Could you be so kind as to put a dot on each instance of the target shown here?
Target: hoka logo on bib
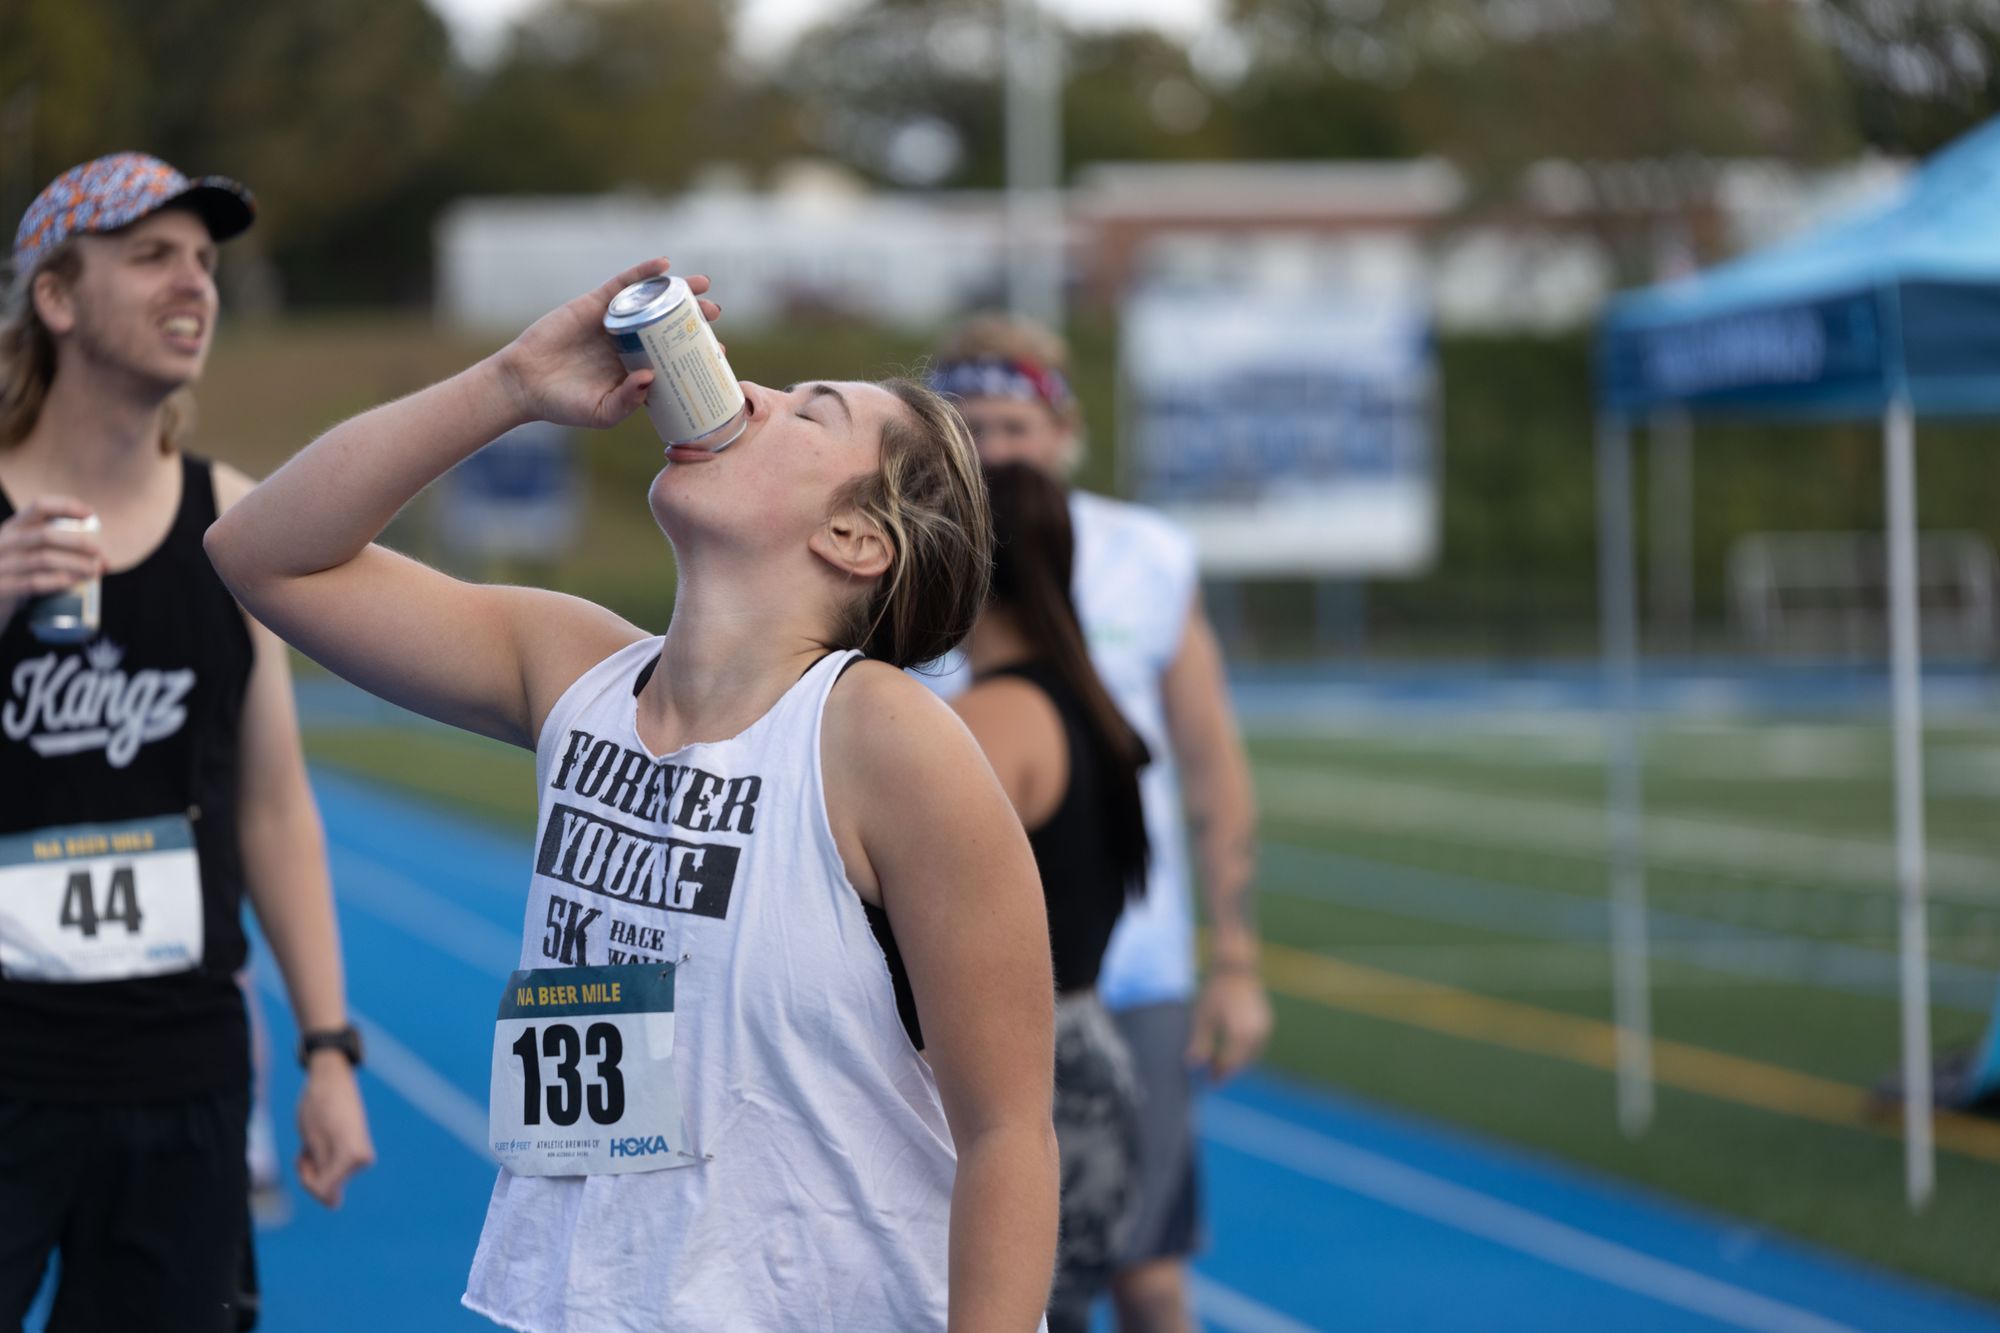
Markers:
(63, 704)
(636, 1147)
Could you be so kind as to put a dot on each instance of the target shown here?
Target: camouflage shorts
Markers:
(1097, 1133)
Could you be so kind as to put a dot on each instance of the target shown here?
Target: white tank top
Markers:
(826, 1198)
(1136, 582)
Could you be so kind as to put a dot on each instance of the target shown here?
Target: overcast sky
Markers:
(766, 25)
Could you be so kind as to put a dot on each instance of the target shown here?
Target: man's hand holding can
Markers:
(50, 556)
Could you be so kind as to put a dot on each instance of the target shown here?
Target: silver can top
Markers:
(645, 302)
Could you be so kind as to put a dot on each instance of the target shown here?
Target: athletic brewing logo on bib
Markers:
(66, 704)
(588, 846)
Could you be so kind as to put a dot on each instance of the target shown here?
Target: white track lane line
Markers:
(1231, 1310)
(396, 899)
(1680, 840)
(1436, 1199)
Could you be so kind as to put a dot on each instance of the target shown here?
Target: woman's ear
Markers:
(853, 544)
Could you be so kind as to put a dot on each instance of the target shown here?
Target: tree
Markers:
(603, 94)
(1498, 86)
(69, 81)
(1135, 95)
(906, 91)
(912, 92)
(1919, 71)
(331, 110)
(335, 111)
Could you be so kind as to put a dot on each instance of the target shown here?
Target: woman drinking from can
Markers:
(764, 860)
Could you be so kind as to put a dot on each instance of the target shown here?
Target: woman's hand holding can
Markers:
(660, 328)
(563, 368)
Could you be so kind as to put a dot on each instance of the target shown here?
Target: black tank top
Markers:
(145, 721)
(1081, 880)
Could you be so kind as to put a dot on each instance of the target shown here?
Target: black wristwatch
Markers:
(346, 1040)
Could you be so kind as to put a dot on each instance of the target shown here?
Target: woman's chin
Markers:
(675, 510)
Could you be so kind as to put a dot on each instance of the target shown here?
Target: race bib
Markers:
(583, 1073)
(100, 902)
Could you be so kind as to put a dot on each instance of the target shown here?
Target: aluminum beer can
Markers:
(72, 615)
(695, 399)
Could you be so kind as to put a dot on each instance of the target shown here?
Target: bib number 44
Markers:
(121, 903)
(566, 1098)
(101, 902)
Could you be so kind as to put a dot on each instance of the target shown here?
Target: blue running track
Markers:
(1327, 1213)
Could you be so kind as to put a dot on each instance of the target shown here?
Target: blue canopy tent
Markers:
(1901, 302)
(1891, 313)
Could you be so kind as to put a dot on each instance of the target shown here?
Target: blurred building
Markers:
(818, 239)
(1360, 227)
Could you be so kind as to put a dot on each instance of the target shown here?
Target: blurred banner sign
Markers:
(518, 498)
(1291, 434)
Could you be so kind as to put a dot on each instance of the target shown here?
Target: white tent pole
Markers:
(1899, 467)
(1618, 611)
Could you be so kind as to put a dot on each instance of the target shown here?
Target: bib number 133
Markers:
(561, 1092)
(583, 1073)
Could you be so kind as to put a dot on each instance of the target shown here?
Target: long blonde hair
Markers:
(929, 499)
(28, 355)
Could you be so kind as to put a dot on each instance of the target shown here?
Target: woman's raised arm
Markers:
(298, 551)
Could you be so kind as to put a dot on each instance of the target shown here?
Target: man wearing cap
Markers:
(153, 775)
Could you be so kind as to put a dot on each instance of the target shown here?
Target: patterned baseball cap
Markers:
(116, 191)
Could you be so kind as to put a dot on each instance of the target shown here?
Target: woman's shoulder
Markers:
(1014, 698)
(1020, 726)
(872, 693)
(899, 767)
(882, 726)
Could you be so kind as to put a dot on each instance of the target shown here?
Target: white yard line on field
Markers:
(1346, 799)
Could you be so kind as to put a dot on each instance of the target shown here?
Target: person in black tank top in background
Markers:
(152, 773)
(1070, 764)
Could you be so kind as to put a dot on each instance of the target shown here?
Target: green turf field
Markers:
(1432, 895)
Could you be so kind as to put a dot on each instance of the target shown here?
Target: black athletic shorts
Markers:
(144, 1204)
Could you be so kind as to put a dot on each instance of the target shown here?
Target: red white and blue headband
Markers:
(992, 377)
